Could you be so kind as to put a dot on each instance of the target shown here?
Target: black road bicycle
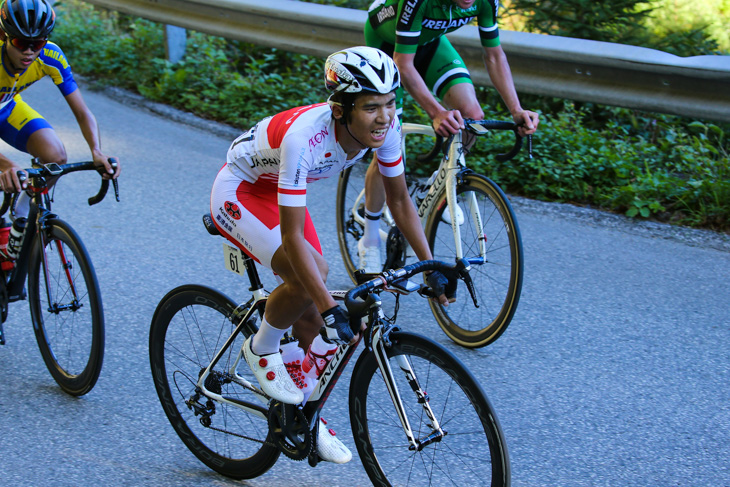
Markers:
(63, 292)
(465, 215)
(418, 416)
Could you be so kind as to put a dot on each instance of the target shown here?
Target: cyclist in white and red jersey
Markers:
(259, 202)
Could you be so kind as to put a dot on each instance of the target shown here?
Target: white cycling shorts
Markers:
(247, 214)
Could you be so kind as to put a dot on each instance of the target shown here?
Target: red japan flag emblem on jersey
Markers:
(233, 210)
(329, 154)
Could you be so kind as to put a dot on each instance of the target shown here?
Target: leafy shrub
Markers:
(229, 81)
(681, 27)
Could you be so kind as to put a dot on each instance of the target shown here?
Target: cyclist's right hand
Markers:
(442, 286)
(108, 167)
(337, 326)
(448, 122)
(9, 180)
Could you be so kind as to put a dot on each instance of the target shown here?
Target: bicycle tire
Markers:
(467, 455)
(70, 333)
(189, 326)
(498, 282)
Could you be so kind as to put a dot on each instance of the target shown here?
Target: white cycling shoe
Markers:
(370, 261)
(271, 373)
(329, 447)
(446, 215)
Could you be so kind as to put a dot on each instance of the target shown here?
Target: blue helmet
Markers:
(27, 19)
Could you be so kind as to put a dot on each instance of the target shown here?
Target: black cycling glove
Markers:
(336, 326)
(440, 284)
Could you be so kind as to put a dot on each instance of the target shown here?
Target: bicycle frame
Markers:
(449, 170)
(378, 333)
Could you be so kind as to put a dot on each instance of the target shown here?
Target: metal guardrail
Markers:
(599, 72)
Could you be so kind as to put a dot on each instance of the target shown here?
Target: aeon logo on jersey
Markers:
(233, 210)
(318, 138)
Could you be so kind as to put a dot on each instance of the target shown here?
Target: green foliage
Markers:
(616, 21)
(643, 165)
(228, 81)
(681, 27)
(646, 165)
(707, 20)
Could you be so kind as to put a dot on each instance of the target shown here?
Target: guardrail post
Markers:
(175, 39)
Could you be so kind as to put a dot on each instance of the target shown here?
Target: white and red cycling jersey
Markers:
(270, 166)
(298, 146)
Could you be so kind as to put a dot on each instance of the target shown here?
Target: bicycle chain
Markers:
(281, 446)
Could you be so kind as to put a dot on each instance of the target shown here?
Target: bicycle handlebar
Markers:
(358, 309)
(480, 127)
(58, 170)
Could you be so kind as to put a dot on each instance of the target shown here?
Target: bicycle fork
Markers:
(53, 306)
(381, 356)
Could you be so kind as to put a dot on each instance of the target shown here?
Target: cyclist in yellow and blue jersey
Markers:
(27, 56)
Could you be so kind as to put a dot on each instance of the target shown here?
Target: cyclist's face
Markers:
(464, 3)
(17, 60)
(372, 117)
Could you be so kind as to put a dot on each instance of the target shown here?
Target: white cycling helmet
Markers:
(359, 69)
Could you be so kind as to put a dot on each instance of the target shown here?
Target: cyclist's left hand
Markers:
(527, 120)
(102, 164)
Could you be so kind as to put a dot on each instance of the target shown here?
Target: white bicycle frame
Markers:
(445, 179)
(328, 374)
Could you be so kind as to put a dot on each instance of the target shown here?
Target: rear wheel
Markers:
(66, 309)
(189, 327)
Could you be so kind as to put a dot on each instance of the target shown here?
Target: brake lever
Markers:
(463, 266)
(115, 183)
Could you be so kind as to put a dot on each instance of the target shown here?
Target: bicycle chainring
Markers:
(289, 430)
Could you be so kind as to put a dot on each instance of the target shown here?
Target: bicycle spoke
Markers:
(464, 455)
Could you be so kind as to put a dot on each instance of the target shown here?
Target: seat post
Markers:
(253, 274)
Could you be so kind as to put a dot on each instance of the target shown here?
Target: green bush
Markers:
(681, 27)
(228, 81)
(641, 164)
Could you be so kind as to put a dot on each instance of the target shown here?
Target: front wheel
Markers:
(472, 451)
(189, 327)
(65, 307)
(489, 230)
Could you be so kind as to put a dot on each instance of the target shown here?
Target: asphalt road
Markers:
(614, 371)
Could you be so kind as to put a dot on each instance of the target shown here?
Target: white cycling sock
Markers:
(371, 236)
(266, 340)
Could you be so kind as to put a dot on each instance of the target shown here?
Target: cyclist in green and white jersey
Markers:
(413, 33)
